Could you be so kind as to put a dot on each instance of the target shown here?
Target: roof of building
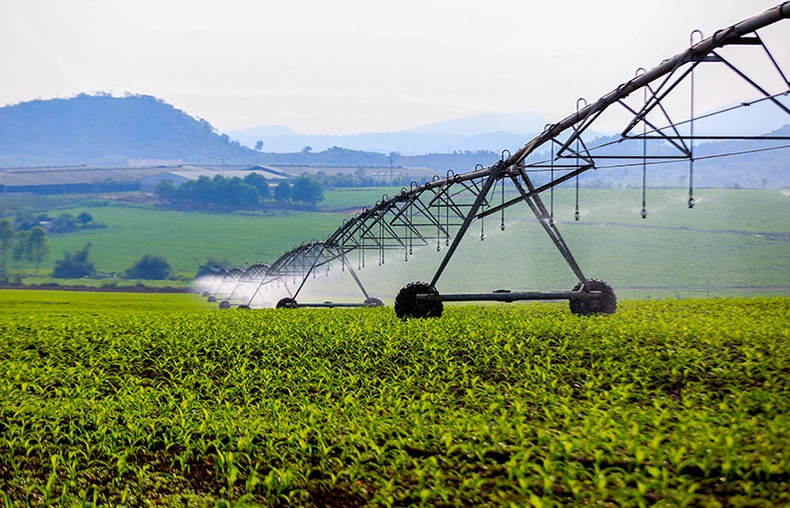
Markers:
(369, 170)
(71, 176)
(40, 176)
(194, 173)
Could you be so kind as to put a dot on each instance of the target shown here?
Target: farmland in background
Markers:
(136, 399)
(733, 241)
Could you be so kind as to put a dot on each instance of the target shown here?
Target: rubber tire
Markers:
(406, 304)
(206, 293)
(212, 299)
(584, 305)
(243, 307)
(224, 304)
(373, 302)
(287, 303)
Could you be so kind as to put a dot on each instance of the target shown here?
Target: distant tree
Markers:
(258, 145)
(19, 254)
(307, 149)
(37, 246)
(204, 189)
(75, 266)
(185, 192)
(25, 221)
(237, 192)
(210, 266)
(149, 267)
(165, 190)
(307, 190)
(64, 223)
(282, 192)
(233, 192)
(260, 183)
(6, 241)
(84, 218)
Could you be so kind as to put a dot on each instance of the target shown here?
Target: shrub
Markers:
(75, 266)
(149, 267)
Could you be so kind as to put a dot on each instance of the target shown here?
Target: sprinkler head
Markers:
(482, 237)
(643, 213)
(502, 226)
(691, 202)
(577, 215)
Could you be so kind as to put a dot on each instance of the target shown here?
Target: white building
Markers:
(183, 174)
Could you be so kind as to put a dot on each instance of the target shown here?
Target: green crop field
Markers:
(158, 400)
(734, 242)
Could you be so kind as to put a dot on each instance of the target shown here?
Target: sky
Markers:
(350, 66)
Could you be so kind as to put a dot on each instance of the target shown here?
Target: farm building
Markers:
(61, 180)
(182, 174)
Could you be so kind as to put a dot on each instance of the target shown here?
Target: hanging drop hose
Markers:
(447, 223)
(483, 206)
(411, 233)
(691, 125)
(502, 219)
(643, 213)
(438, 227)
(551, 215)
(576, 214)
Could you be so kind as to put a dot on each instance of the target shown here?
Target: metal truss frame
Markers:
(441, 212)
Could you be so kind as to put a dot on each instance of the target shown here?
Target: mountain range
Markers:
(143, 130)
(489, 131)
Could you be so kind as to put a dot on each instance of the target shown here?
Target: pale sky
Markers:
(350, 66)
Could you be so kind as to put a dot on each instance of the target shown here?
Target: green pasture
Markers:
(185, 239)
(137, 400)
(733, 242)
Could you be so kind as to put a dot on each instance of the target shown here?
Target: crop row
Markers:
(684, 402)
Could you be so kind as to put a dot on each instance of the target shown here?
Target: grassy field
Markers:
(139, 399)
(733, 242)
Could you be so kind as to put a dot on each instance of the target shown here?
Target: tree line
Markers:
(251, 190)
(31, 246)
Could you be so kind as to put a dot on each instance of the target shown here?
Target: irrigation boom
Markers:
(441, 212)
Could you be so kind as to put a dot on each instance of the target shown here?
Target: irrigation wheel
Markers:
(373, 302)
(584, 303)
(224, 304)
(211, 299)
(243, 306)
(287, 303)
(407, 305)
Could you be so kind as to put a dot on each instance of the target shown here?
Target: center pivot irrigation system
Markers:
(656, 111)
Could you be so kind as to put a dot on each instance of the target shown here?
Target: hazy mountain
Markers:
(103, 130)
(754, 119)
(109, 130)
(486, 131)
(490, 132)
(522, 122)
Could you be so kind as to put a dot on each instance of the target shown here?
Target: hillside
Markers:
(110, 130)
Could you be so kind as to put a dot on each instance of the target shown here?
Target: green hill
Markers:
(100, 129)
